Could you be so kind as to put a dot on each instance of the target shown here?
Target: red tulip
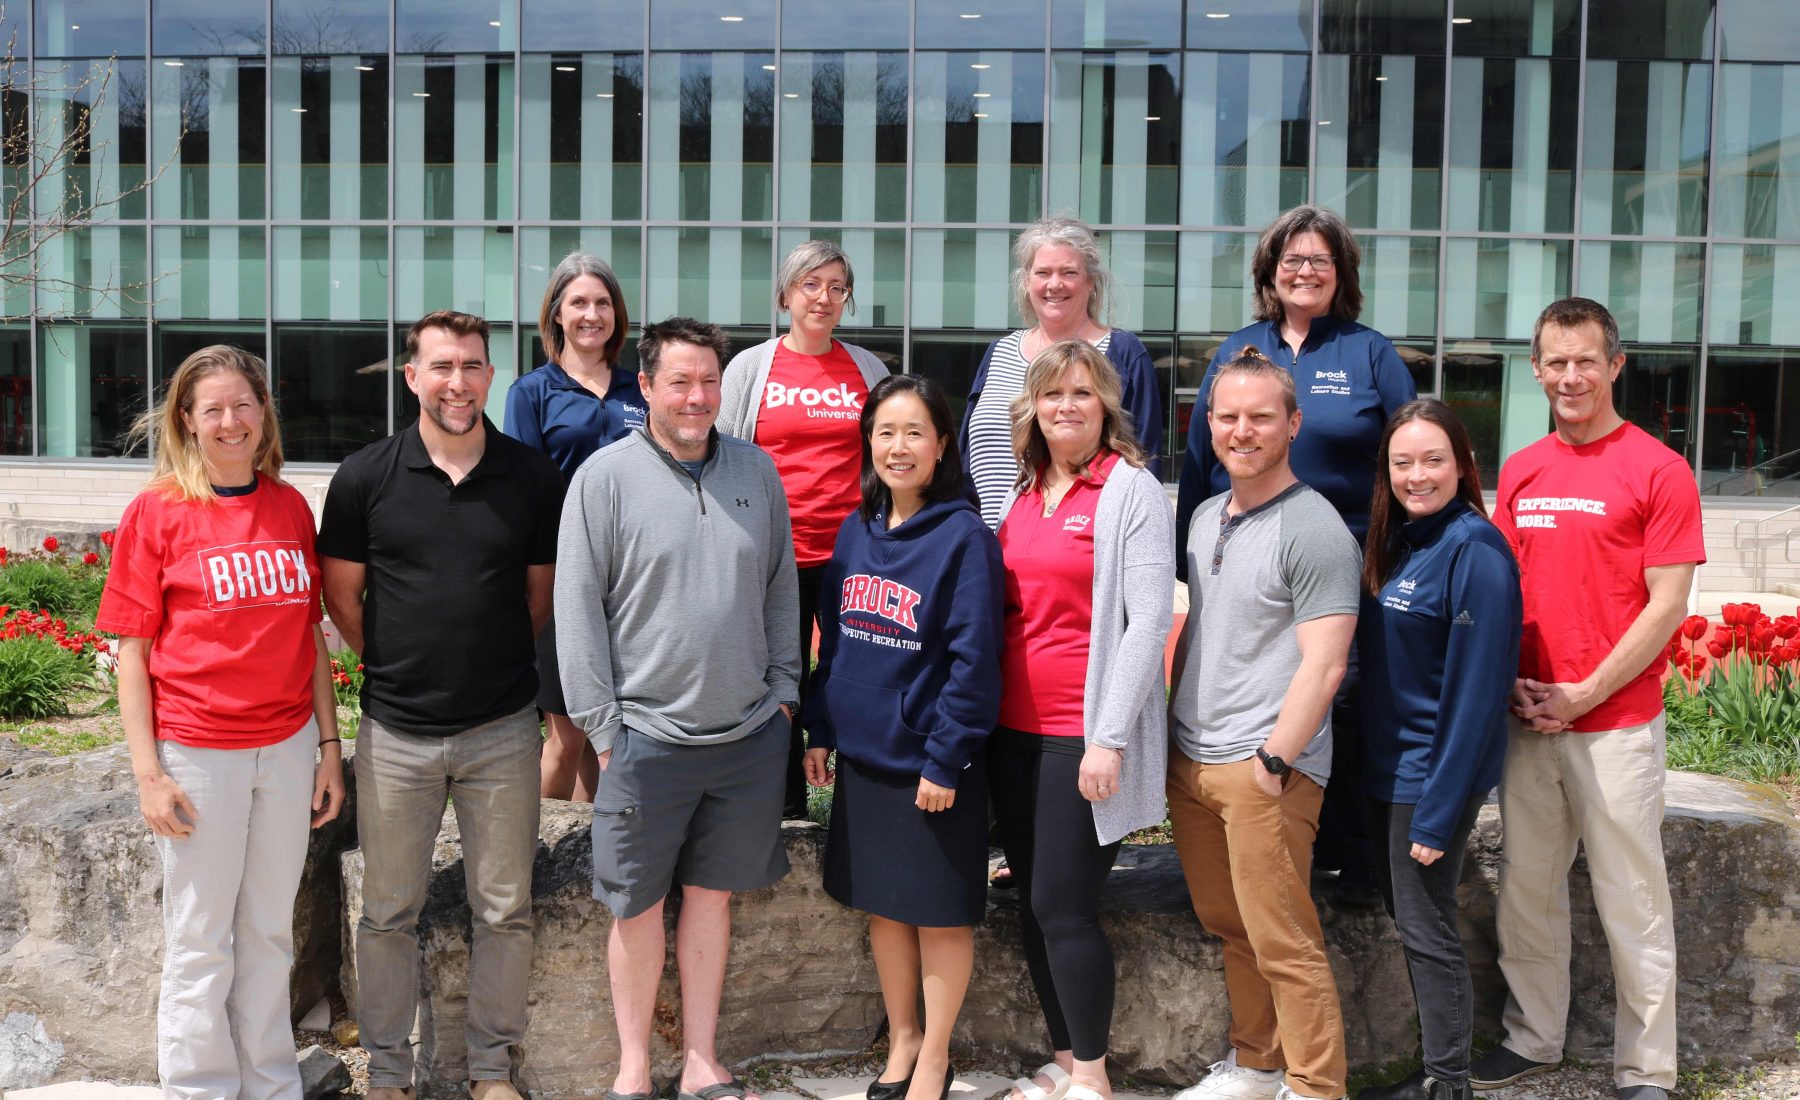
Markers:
(106, 539)
(1694, 627)
(1717, 649)
(90, 558)
(50, 543)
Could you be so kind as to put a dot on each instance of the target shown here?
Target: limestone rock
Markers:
(322, 1073)
(81, 915)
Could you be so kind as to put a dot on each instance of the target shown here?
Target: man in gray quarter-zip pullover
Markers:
(677, 627)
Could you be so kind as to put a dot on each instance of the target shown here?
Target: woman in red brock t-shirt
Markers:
(225, 691)
(800, 397)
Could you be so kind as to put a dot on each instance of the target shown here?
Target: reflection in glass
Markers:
(328, 126)
(1399, 282)
(950, 358)
(205, 28)
(462, 269)
(1757, 190)
(1144, 270)
(879, 259)
(455, 26)
(542, 248)
(962, 278)
(1655, 391)
(88, 28)
(330, 383)
(16, 427)
(835, 25)
(1652, 288)
(91, 387)
(1759, 32)
(1491, 387)
(1650, 28)
(175, 341)
(330, 274)
(98, 109)
(592, 25)
(725, 276)
(582, 136)
(1381, 139)
(1512, 144)
(1644, 155)
(453, 127)
(210, 272)
(978, 159)
(1754, 290)
(1752, 443)
(1250, 25)
(1114, 24)
(94, 271)
(1497, 288)
(843, 136)
(207, 115)
(1115, 137)
(1213, 288)
(1382, 26)
(979, 24)
(1517, 28)
(712, 25)
(1244, 129)
(331, 26)
(712, 136)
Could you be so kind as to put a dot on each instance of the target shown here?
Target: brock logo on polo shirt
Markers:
(254, 574)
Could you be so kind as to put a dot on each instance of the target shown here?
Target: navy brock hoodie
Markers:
(908, 678)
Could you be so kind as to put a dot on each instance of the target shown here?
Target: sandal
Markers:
(730, 1087)
(1060, 1082)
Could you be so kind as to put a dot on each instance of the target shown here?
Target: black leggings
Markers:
(1047, 830)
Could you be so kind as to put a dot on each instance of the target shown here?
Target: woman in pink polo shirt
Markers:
(1078, 758)
(800, 397)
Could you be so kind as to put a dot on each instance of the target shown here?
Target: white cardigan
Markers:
(748, 373)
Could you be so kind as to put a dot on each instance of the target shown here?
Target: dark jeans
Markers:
(1422, 901)
(794, 805)
(1344, 843)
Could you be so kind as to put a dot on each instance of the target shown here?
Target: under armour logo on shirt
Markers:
(743, 503)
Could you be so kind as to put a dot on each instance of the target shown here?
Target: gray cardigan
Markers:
(740, 398)
(1124, 705)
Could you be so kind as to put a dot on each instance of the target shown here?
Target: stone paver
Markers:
(86, 1090)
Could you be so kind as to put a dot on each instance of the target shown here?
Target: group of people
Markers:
(643, 559)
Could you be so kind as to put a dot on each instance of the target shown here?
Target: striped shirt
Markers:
(992, 468)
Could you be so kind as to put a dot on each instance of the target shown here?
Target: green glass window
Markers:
(319, 27)
(712, 136)
(1652, 288)
(1399, 277)
(17, 430)
(1381, 138)
(1115, 136)
(726, 276)
(1250, 25)
(463, 269)
(1490, 385)
(331, 382)
(1516, 28)
(1754, 290)
(979, 24)
(1512, 144)
(1144, 269)
(91, 386)
(712, 24)
(330, 274)
(835, 25)
(210, 272)
(455, 26)
(978, 136)
(1644, 148)
(453, 137)
(207, 118)
(1213, 288)
(1245, 122)
(843, 136)
(1669, 29)
(206, 28)
(1495, 289)
(328, 133)
(1757, 190)
(89, 28)
(98, 109)
(582, 136)
(1752, 445)
(589, 25)
(1114, 24)
(94, 271)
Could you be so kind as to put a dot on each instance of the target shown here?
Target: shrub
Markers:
(1734, 708)
(38, 676)
(42, 584)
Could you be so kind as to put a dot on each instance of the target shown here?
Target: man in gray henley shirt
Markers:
(1273, 579)
(676, 623)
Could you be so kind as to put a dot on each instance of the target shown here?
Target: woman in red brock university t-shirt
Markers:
(800, 398)
(225, 691)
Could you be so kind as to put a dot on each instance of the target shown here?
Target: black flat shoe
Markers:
(888, 1090)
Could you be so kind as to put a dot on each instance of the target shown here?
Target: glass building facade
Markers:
(306, 177)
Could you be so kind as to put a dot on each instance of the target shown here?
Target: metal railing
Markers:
(1758, 565)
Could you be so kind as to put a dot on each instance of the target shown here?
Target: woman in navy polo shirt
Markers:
(580, 400)
(1349, 380)
(1440, 648)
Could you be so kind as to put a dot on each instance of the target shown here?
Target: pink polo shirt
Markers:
(1049, 606)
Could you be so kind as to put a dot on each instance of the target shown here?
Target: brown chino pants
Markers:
(1248, 861)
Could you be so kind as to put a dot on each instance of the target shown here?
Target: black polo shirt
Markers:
(447, 641)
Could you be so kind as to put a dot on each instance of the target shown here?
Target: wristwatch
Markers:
(1276, 765)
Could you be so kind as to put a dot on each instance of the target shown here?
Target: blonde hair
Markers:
(1072, 233)
(1049, 368)
(179, 470)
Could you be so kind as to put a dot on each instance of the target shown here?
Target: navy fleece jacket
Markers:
(1439, 653)
(908, 678)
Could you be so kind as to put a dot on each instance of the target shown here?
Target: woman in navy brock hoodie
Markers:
(906, 691)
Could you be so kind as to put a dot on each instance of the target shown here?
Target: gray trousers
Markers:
(490, 774)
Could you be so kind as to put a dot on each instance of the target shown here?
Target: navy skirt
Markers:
(887, 857)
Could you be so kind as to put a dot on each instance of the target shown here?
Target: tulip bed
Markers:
(1733, 694)
(50, 656)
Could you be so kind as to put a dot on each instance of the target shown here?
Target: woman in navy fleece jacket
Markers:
(1439, 656)
(906, 690)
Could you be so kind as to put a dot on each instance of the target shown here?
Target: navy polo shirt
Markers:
(551, 412)
(447, 638)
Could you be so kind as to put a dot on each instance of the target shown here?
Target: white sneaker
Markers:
(1229, 1081)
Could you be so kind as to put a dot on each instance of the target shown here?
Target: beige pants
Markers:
(1605, 791)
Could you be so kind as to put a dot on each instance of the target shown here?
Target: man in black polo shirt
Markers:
(438, 548)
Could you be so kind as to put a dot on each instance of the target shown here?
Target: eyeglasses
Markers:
(837, 292)
(1320, 262)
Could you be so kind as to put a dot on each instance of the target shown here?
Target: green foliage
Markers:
(1732, 724)
(346, 685)
(38, 677)
(69, 742)
(56, 584)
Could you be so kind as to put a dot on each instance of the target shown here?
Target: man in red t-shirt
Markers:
(1605, 522)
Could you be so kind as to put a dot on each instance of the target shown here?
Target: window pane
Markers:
(725, 276)
(1754, 290)
(950, 358)
(328, 129)
(583, 135)
(1517, 28)
(712, 24)
(1250, 24)
(1381, 139)
(209, 128)
(1495, 396)
(978, 159)
(206, 28)
(712, 136)
(1500, 287)
(335, 274)
(1752, 422)
(16, 427)
(98, 108)
(90, 387)
(836, 25)
(453, 126)
(962, 278)
(1118, 24)
(1512, 144)
(462, 269)
(331, 26)
(541, 249)
(1653, 289)
(1760, 32)
(174, 342)
(1244, 125)
(454, 26)
(979, 24)
(583, 24)
(94, 271)
(1143, 267)
(878, 258)
(1115, 138)
(210, 272)
(1757, 192)
(1650, 28)
(1655, 391)
(1382, 26)
(89, 28)
(1644, 161)
(1213, 291)
(843, 136)
(330, 384)
(1399, 283)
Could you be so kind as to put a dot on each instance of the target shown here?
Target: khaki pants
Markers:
(1248, 861)
(1604, 790)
